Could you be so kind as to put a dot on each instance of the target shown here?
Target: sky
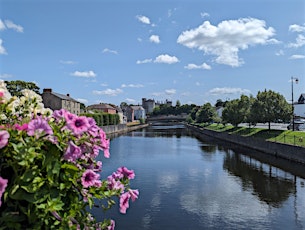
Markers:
(194, 51)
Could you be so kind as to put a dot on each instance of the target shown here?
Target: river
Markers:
(187, 183)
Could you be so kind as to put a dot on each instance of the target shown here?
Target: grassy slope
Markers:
(283, 136)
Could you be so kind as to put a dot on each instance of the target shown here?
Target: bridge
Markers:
(164, 118)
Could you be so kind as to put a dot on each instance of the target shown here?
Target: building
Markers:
(148, 105)
(57, 101)
(102, 107)
(299, 107)
(135, 112)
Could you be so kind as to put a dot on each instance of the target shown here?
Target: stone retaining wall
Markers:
(289, 152)
(121, 128)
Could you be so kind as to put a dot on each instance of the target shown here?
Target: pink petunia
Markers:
(3, 184)
(78, 125)
(4, 136)
(134, 193)
(73, 152)
(125, 172)
(90, 178)
(124, 202)
(21, 127)
(112, 225)
(38, 127)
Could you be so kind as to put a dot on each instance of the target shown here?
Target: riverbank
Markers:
(121, 128)
(285, 151)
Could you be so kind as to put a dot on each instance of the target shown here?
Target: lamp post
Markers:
(292, 106)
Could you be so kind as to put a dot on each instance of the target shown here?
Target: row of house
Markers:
(56, 101)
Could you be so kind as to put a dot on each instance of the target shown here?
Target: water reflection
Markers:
(190, 183)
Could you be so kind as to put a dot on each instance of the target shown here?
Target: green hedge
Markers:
(104, 119)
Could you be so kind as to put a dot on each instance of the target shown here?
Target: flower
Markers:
(90, 178)
(73, 152)
(134, 193)
(3, 184)
(38, 127)
(124, 172)
(4, 136)
(124, 202)
(78, 125)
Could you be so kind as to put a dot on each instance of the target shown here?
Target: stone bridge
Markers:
(169, 118)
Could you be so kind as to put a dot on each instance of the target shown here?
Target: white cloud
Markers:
(227, 90)
(108, 92)
(104, 84)
(10, 25)
(132, 86)
(144, 61)
(5, 75)
(227, 38)
(81, 100)
(194, 66)
(170, 91)
(165, 58)
(154, 38)
(143, 19)
(129, 100)
(279, 53)
(86, 74)
(204, 15)
(106, 50)
(2, 49)
(2, 25)
(296, 28)
(297, 56)
(300, 41)
(68, 62)
(157, 94)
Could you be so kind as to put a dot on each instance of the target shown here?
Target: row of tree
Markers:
(266, 107)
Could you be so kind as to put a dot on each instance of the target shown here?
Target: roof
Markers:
(137, 107)
(100, 106)
(64, 97)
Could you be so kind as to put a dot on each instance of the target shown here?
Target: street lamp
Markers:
(292, 107)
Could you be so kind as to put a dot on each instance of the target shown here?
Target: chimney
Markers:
(68, 95)
(48, 90)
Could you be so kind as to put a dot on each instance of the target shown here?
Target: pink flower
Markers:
(124, 202)
(3, 184)
(39, 127)
(126, 172)
(21, 127)
(90, 178)
(134, 193)
(58, 114)
(4, 136)
(78, 125)
(112, 225)
(72, 153)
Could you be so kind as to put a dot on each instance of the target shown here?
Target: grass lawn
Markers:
(283, 136)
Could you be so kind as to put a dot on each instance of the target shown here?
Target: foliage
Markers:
(15, 87)
(49, 167)
(237, 111)
(269, 106)
(206, 113)
(104, 119)
(165, 109)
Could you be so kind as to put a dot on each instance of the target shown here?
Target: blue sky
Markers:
(191, 51)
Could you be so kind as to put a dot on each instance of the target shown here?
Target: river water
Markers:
(187, 183)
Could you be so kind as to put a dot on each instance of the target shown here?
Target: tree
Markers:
(178, 104)
(15, 87)
(270, 106)
(237, 111)
(206, 113)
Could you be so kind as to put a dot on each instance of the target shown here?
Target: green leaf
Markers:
(21, 194)
(69, 166)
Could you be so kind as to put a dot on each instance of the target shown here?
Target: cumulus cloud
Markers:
(297, 56)
(81, 100)
(227, 90)
(204, 15)
(108, 92)
(2, 49)
(85, 74)
(68, 62)
(194, 66)
(144, 61)
(2, 26)
(227, 38)
(5, 75)
(297, 28)
(132, 86)
(167, 59)
(154, 39)
(10, 25)
(129, 100)
(106, 50)
(279, 53)
(143, 19)
(170, 91)
(300, 41)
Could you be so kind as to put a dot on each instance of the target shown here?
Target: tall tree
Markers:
(270, 106)
(206, 113)
(15, 87)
